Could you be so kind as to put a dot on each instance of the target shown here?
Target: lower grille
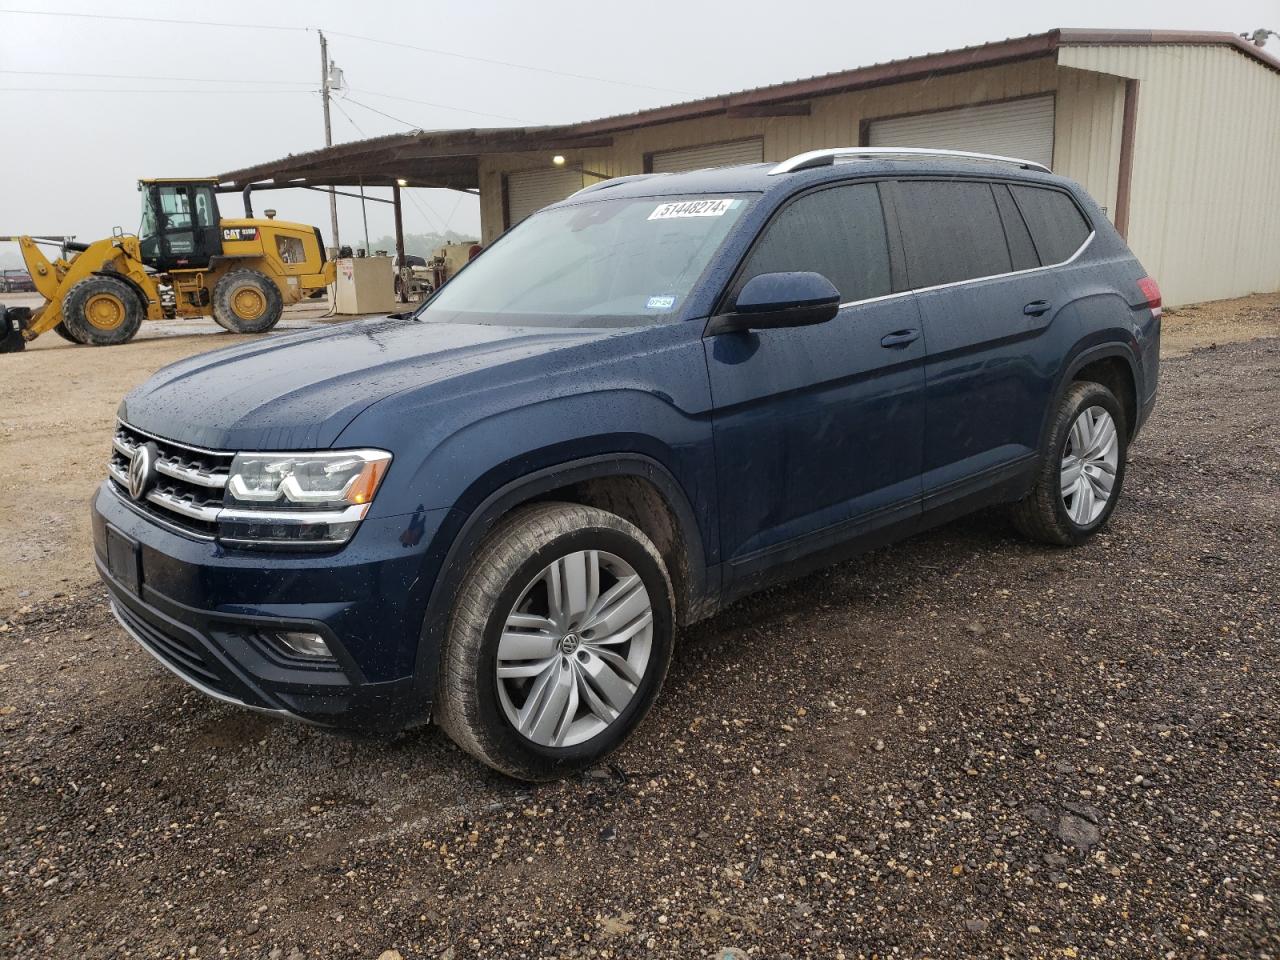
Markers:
(181, 655)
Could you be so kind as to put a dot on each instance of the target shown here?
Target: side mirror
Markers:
(772, 300)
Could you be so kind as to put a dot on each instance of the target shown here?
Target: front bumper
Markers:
(206, 613)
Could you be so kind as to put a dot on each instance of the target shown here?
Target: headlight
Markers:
(300, 498)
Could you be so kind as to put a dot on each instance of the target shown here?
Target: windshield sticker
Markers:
(660, 303)
(693, 208)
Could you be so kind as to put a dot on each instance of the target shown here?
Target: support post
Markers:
(328, 133)
(364, 212)
(395, 198)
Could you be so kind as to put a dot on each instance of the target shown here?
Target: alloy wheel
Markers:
(574, 648)
(1089, 464)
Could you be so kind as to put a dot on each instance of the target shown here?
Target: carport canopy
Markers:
(441, 159)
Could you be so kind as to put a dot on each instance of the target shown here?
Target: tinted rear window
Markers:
(951, 231)
(838, 232)
(1057, 226)
(1021, 249)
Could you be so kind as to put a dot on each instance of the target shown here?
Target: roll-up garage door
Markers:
(1019, 128)
(715, 155)
(528, 191)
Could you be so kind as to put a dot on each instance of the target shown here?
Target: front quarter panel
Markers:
(641, 391)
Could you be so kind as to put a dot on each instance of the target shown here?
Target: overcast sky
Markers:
(70, 160)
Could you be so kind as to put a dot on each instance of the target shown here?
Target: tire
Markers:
(479, 710)
(61, 330)
(1062, 508)
(102, 312)
(247, 301)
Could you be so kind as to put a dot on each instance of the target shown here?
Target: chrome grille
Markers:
(187, 493)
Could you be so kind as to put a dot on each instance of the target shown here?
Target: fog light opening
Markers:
(303, 644)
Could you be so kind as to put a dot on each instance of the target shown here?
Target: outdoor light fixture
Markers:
(558, 160)
(403, 182)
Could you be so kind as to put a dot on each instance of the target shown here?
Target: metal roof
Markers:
(450, 158)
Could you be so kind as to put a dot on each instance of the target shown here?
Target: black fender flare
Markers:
(1081, 359)
(476, 525)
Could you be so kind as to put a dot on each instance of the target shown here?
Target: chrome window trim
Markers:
(802, 161)
(995, 276)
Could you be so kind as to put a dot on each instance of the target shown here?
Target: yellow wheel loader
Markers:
(186, 262)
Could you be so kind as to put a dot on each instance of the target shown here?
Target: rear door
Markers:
(986, 308)
(819, 430)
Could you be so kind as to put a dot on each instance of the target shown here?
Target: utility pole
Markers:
(328, 132)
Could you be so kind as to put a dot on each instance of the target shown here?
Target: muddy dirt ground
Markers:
(961, 746)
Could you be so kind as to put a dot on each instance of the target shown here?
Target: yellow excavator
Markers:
(186, 262)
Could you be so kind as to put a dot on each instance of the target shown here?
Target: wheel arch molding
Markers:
(1088, 355)
(597, 480)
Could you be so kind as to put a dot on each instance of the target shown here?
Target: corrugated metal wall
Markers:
(835, 122)
(1205, 200)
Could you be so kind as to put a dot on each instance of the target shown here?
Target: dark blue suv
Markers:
(641, 403)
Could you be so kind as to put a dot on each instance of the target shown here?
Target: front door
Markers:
(819, 430)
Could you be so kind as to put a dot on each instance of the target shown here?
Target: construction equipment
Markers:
(186, 261)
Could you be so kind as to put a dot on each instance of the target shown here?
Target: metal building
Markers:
(1176, 134)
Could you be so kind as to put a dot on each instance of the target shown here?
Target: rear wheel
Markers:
(246, 301)
(1080, 479)
(559, 641)
(102, 312)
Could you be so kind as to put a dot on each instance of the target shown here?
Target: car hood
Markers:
(299, 392)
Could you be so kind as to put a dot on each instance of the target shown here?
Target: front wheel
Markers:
(247, 301)
(102, 312)
(1080, 479)
(559, 641)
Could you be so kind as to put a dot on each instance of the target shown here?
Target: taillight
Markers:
(1151, 290)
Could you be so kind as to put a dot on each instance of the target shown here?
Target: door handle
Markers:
(1037, 307)
(899, 338)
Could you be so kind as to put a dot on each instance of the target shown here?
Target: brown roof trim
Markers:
(1114, 38)
(879, 74)
(426, 146)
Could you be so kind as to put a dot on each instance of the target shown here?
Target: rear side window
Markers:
(1021, 249)
(951, 231)
(1057, 226)
(838, 232)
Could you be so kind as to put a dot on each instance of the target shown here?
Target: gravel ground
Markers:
(961, 746)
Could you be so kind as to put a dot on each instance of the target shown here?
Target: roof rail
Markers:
(825, 158)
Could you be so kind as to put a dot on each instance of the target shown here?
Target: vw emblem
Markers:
(142, 470)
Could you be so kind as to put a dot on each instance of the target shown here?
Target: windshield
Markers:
(608, 263)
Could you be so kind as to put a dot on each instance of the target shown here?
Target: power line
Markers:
(506, 63)
(185, 23)
(138, 76)
(438, 106)
(351, 36)
(338, 103)
(413, 126)
(133, 90)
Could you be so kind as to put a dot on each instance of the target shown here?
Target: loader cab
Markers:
(180, 224)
